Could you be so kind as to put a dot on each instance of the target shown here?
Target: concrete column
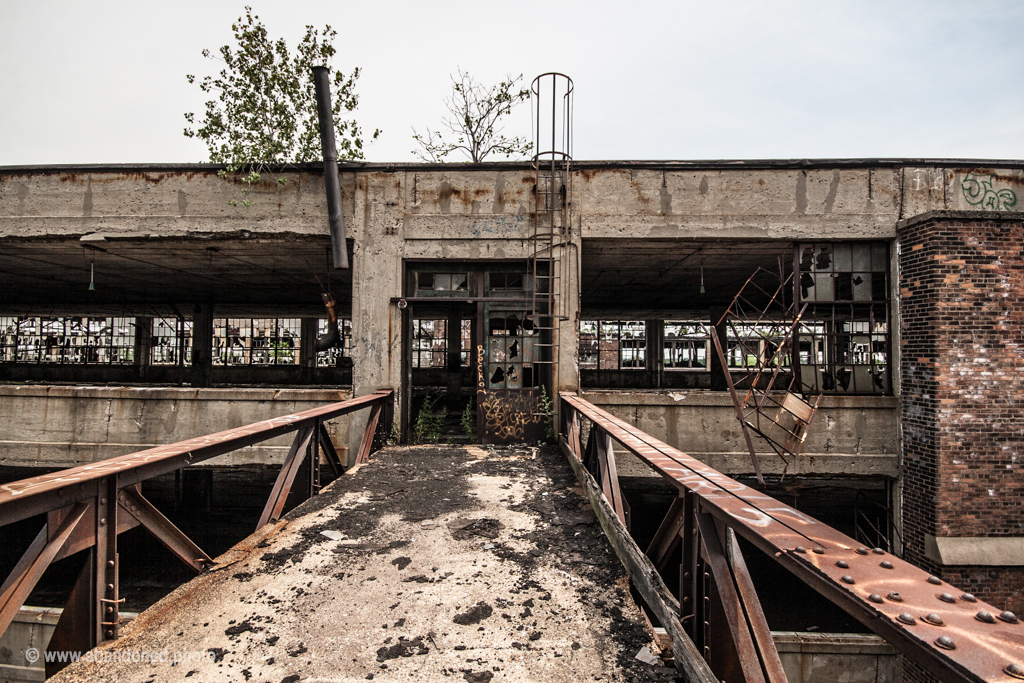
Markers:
(718, 382)
(377, 228)
(307, 349)
(143, 346)
(202, 345)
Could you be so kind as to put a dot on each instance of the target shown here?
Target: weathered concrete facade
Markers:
(639, 236)
(62, 426)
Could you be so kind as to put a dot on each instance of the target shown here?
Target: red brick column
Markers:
(962, 376)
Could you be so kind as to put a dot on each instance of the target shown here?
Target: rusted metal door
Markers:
(508, 394)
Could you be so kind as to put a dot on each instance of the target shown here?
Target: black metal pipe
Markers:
(322, 81)
(333, 336)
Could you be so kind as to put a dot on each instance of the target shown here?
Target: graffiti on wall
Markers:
(978, 192)
(511, 416)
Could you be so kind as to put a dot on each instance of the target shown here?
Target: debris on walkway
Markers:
(437, 563)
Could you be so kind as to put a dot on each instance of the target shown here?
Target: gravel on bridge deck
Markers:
(429, 563)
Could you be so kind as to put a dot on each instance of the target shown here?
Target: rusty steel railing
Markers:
(86, 507)
(717, 619)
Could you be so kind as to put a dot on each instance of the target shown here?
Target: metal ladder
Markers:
(546, 240)
(551, 95)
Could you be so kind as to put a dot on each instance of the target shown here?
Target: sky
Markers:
(104, 81)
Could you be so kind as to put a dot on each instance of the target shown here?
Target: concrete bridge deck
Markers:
(428, 563)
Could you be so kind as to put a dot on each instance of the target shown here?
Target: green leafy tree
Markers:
(263, 112)
(474, 122)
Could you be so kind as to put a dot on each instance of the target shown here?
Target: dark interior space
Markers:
(215, 507)
(788, 603)
(638, 277)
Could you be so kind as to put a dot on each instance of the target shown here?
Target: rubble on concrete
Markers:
(451, 563)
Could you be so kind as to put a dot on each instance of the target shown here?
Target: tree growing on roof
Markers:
(474, 121)
(263, 112)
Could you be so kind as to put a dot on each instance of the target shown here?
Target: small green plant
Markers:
(395, 435)
(427, 428)
(547, 409)
(468, 420)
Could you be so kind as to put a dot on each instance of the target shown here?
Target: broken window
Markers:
(79, 340)
(612, 345)
(441, 282)
(172, 342)
(429, 343)
(750, 345)
(686, 346)
(509, 350)
(256, 341)
(333, 356)
(843, 340)
(506, 282)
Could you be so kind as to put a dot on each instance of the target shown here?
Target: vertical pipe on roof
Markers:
(322, 81)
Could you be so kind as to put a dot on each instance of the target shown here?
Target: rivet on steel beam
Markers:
(110, 633)
(846, 578)
(934, 580)
(800, 549)
(861, 551)
(885, 564)
(110, 610)
(110, 586)
(103, 521)
(875, 597)
(933, 619)
(110, 563)
(819, 550)
(843, 564)
(985, 617)
(103, 501)
(1009, 617)
(1015, 670)
(687, 575)
(686, 598)
(967, 597)
(946, 597)
(906, 619)
(878, 551)
(945, 642)
(895, 597)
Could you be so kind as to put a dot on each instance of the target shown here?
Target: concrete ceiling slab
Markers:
(142, 275)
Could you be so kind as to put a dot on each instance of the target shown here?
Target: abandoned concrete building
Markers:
(140, 305)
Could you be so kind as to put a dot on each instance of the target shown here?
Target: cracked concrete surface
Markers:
(429, 563)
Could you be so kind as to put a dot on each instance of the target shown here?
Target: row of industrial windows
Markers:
(112, 341)
(846, 353)
(841, 343)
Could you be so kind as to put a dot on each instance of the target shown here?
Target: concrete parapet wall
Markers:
(64, 426)
(847, 657)
(851, 435)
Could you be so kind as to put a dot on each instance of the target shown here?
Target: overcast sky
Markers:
(102, 81)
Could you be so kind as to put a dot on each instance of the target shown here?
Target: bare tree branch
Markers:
(474, 119)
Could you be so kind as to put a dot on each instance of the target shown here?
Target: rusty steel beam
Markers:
(132, 502)
(667, 538)
(33, 564)
(947, 632)
(746, 666)
(37, 495)
(371, 429)
(330, 452)
(769, 654)
(283, 483)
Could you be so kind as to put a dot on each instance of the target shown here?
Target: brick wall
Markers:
(962, 363)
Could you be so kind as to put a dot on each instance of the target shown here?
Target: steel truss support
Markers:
(87, 507)
(717, 617)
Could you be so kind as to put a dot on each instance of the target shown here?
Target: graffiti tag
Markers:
(978, 192)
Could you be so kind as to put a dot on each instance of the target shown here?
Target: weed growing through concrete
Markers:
(468, 421)
(427, 428)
